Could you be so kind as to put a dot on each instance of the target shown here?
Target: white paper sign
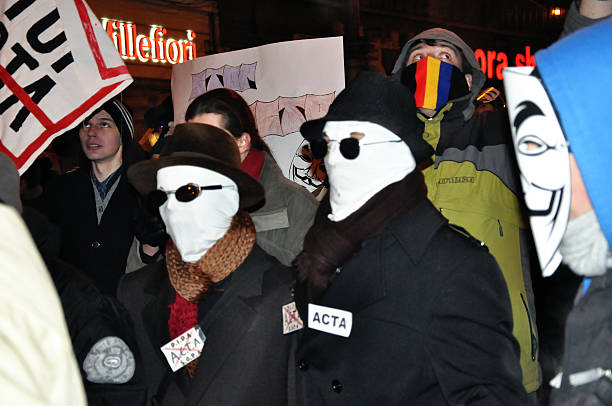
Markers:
(184, 348)
(285, 84)
(57, 65)
(291, 319)
(330, 320)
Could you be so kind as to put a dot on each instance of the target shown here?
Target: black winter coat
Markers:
(98, 250)
(246, 359)
(432, 324)
(90, 316)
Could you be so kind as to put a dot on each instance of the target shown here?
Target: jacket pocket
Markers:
(534, 340)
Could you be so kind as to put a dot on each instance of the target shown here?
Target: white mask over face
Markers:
(197, 225)
(383, 159)
(543, 159)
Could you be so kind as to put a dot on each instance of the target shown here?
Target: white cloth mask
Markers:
(197, 225)
(543, 159)
(383, 159)
(584, 247)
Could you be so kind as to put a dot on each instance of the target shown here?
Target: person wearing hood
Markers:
(399, 307)
(98, 212)
(209, 317)
(472, 178)
(561, 130)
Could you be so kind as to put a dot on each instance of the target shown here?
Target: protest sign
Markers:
(285, 84)
(57, 65)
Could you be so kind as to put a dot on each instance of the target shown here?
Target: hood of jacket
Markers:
(478, 77)
(576, 74)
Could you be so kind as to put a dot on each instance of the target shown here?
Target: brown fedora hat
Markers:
(199, 145)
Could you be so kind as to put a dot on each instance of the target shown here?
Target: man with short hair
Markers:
(471, 179)
(98, 212)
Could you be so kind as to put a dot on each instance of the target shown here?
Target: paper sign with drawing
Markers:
(285, 84)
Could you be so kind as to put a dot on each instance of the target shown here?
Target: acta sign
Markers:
(493, 63)
(152, 48)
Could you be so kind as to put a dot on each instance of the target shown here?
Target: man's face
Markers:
(376, 158)
(543, 159)
(442, 51)
(195, 225)
(100, 138)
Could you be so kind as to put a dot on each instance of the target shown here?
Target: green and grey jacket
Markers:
(472, 181)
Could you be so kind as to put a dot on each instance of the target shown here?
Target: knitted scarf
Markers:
(328, 245)
(194, 282)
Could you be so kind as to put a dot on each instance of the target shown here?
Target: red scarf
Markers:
(253, 163)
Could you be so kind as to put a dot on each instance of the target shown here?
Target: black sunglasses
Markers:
(185, 193)
(349, 147)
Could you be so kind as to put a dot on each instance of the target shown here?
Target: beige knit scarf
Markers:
(196, 281)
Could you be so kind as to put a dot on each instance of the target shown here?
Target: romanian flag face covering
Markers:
(434, 82)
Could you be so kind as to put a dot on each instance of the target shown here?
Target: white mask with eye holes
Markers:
(383, 159)
(543, 158)
(197, 225)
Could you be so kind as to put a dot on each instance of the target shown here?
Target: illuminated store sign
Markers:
(152, 48)
(493, 63)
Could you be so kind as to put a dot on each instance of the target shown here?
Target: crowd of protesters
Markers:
(197, 274)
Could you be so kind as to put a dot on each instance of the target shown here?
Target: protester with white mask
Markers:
(400, 307)
(561, 129)
(215, 304)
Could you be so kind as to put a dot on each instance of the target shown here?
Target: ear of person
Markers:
(244, 143)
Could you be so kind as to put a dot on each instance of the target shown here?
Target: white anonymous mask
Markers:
(543, 158)
(197, 225)
(383, 159)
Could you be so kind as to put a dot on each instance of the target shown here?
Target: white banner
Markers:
(57, 65)
(285, 84)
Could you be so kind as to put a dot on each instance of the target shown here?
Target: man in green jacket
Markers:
(472, 178)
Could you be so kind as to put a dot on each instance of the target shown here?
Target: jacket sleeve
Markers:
(301, 209)
(474, 355)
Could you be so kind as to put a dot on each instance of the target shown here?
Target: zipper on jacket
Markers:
(501, 230)
(534, 343)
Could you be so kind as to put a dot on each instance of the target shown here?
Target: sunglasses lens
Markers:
(187, 193)
(349, 148)
(157, 198)
(318, 147)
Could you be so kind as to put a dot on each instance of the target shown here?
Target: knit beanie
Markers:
(9, 182)
(122, 116)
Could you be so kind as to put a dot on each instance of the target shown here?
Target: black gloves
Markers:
(149, 227)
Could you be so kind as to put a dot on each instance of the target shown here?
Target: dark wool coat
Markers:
(432, 324)
(246, 359)
(99, 251)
